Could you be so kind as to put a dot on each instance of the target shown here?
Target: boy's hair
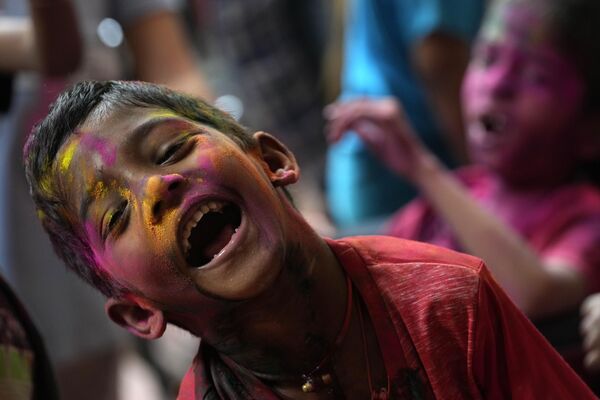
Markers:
(574, 26)
(67, 114)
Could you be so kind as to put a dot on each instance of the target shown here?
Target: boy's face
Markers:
(174, 209)
(522, 98)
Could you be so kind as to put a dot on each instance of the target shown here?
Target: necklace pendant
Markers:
(313, 383)
(308, 387)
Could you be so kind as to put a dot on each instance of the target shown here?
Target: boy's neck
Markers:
(287, 329)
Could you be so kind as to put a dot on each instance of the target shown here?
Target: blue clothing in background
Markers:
(379, 37)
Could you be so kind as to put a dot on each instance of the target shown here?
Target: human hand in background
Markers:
(382, 124)
(590, 329)
(47, 41)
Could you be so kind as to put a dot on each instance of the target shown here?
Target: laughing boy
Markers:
(179, 215)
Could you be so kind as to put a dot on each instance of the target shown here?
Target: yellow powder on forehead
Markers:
(163, 114)
(67, 156)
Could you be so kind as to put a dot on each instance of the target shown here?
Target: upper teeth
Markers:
(205, 208)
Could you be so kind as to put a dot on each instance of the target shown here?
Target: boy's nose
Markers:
(163, 192)
(502, 81)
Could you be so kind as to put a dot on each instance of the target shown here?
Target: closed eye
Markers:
(114, 220)
(174, 151)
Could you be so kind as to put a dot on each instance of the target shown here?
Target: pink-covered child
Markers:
(531, 109)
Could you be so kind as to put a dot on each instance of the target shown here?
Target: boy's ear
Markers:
(137, 316)
(281, 165)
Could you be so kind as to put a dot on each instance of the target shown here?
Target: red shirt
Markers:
(445, 329)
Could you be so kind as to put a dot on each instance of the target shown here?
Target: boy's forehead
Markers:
(122, 120)
(98, 143)
(516, 21)
(95, 144)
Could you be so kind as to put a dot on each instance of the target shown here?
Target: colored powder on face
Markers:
(67, 156)
(102, 147)
(516, 20)
(125, 193)
(99, 190)
(163, 114)
(152, 194)
(90, 232)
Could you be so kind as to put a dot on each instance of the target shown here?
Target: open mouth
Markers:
(493, 123)
(209, 231)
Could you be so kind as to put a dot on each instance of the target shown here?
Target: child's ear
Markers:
(137, 316)
(280, 163)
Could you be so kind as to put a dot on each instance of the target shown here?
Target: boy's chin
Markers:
(240, 278)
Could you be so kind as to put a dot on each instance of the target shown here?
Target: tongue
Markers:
(209, 237)
(217, 242)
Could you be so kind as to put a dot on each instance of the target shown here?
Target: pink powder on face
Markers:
(101, 146)
(520, 83)
(93, 238)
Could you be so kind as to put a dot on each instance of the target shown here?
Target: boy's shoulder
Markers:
(408, 272)
(430, 295)
(378, 251)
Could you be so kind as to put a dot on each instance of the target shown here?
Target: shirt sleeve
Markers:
(458, 17)
(510, 358)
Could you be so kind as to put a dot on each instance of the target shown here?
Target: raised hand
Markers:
(381, 123)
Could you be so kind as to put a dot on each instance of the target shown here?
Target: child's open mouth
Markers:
(493, 123)
(208, 232)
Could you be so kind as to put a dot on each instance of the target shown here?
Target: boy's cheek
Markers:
(468, 89)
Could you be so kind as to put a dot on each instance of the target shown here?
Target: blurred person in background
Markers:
(269, 55)
(528, 204)
(31, 44)
(416, 51)
(26, 373)
(137, 39)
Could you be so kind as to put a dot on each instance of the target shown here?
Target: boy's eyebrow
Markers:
(84, 205)
(143, 130)
(136, 134)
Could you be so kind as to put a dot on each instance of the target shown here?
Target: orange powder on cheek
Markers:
(157, 229)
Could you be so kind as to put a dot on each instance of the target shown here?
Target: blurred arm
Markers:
(163, 54)
(57, 38)
(440, 60)
(17, 50)
(48, 41)
(539, 287)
